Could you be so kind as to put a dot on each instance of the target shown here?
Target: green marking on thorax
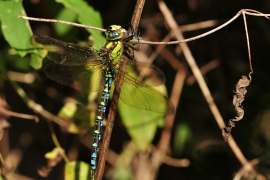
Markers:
(116, 53)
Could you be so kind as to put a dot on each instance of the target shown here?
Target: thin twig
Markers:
(56, 142)
(243, 11)
(244, 170)
(158, 49)
(248, 45)
(255, 13)
(183, 28)
(176, 162)
(195, 37)
(198, 25)
(61, 22)
(204, 69)
(19, 115)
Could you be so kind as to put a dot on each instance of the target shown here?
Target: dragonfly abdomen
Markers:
(99, 119)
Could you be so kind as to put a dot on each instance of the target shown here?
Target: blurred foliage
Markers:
(77, 115)
(181, 136)
(77, 170)
(196, 135)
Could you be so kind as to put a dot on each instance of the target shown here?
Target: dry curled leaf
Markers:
(238, 98)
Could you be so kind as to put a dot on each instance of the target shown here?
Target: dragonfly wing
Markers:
(86, 78)
(142, 96)
(147, 73)
(67, 54)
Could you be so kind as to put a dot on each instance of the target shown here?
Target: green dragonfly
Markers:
(87, 69)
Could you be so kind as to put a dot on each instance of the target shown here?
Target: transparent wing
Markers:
(142, 96)
(146, 73)
(87, 78)
(67, 54)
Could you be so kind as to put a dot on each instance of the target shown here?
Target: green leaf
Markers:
(54, 153)
(87, 16)
(36, 59)
(78, 115)
(17, 62)
(17, 32)
(122, 172)
(38, 54)
(77, 170)
(66, 15)
(181, 136)
(141, 125)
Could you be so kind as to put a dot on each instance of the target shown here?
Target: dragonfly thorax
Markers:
(111, 53)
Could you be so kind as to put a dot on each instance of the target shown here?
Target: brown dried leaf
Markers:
(238, 98)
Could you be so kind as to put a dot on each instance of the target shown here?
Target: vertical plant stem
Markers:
(118, 83)
(137, 14)
(248, 46)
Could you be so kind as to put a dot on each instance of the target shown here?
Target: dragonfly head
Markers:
(115, 32)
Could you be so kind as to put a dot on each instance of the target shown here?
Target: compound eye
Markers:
(114, 35)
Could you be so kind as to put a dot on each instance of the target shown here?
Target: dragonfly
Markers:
(87, 69)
